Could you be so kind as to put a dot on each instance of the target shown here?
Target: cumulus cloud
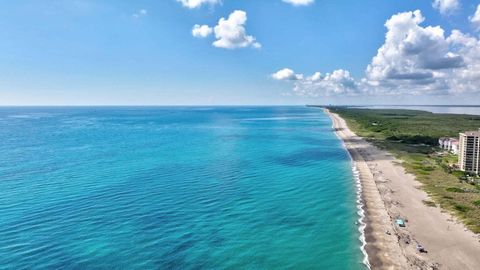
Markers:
(140, 13)
(299, 2)
(475, 19)
(422, 60)
(201, 31)
(335, 83)
(414, 60)
(412, 53)
(286, 74)
(197, 3)
(446, 7)
(230, 33)
(465, 79)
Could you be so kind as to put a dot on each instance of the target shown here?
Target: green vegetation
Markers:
(461, 208)
(455, 189)
(412, 136)
(429, 203)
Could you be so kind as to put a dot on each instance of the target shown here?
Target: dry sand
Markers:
(389, 192)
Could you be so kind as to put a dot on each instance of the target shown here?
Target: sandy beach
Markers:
(388, 193)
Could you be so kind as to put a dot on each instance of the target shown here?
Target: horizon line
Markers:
(243, 105)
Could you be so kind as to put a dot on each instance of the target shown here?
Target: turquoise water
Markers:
(175, 188)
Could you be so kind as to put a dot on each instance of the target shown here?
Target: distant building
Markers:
(454, 145)
(450, 144)
(441, 141)
(469, 151)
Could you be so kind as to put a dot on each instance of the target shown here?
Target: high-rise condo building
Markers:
(469, 151)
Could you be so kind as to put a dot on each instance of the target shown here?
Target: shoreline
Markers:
(382, 249)
(388, 192)
(361, 213)
(360, 205)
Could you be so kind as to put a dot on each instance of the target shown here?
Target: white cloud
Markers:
(286, 74)
(421, 60)
(335, 83)
(446, 7)
(466, 79)
(299, 2)
(475, 19)
(412, 55)
(201, 31)
(140, 13)
(197, 3)
(230, 33)
(413, 60)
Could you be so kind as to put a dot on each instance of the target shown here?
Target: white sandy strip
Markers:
(383, 249)
(360, 207)
(390, 192)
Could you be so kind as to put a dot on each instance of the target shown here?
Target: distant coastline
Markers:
(382, 105)
(390, 192)
(387, 105)
(437, 109)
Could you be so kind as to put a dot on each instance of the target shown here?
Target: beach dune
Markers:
(390, 193)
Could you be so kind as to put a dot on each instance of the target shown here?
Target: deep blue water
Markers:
(175, 188)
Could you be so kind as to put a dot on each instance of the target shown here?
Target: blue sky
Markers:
(110, 52)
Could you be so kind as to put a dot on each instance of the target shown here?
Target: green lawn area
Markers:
(413, 137)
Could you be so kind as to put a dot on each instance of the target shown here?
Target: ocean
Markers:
(175, 188)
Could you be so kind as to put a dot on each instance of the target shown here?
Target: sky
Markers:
(239, 52)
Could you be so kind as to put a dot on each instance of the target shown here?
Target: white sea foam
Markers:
(360, 206)
(30, 115)
(361, 213)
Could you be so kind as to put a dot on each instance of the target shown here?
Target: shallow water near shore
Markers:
(175, 188)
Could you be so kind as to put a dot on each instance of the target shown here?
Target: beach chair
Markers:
(400, 222)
